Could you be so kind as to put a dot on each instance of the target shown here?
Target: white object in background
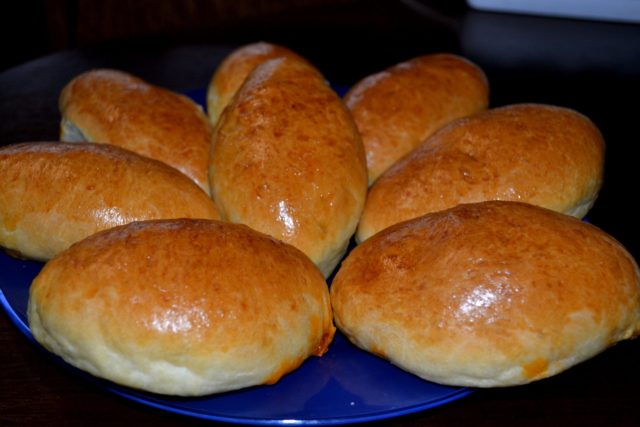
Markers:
(607, 10)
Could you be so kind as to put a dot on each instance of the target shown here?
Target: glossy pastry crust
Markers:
(545, 155)
(287, 160)
(114, 107)
(182, 307)
(53, 194)
(398, 108)
(235, 68)
(488, 294)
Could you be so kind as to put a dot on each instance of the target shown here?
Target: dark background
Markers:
(590, 66)
(316, 27)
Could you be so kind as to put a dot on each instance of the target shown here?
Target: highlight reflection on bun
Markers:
(235, 68)
(114, 107)
(544, 155)
(53, 194)
(288, 161)
(183, 307)
(488, 294)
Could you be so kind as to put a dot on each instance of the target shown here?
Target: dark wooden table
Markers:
(589, 66)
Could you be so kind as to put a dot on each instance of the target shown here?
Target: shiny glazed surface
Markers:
(114, 107)
(398, 108)
(287, 160)
(345, 386)
(53, 194)
(233, 71)
(545, 155)
(583, 64)
(182, 307)
(488, 294)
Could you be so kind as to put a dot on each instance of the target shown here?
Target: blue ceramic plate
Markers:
(346, 385)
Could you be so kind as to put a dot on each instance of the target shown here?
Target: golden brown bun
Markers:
(114, 107)
(53, 194)
(182, 307)
(398, 108)
(235, 68)
(548, 156)
(287, 160)
(488, 294)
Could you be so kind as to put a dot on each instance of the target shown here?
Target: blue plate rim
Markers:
(155, 402)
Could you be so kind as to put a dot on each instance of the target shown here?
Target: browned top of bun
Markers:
(182, 306)
(488, 294)
(540, 154)
(287, 160)
(235, 68)
(54, 193)
(114, 107)
(398, 108)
